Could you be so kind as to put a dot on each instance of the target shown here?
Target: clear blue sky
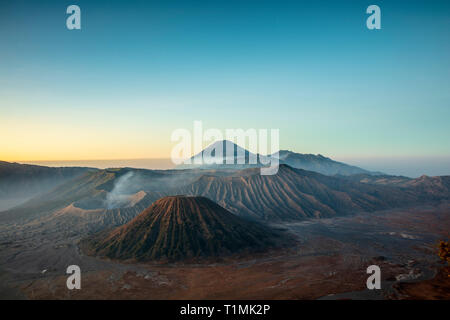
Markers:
(140, 69)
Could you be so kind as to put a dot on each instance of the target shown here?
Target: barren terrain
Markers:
(328, 260)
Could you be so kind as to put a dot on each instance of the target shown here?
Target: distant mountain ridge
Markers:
(319, 163)
(291, 194)
(241, 158)
(113, 196)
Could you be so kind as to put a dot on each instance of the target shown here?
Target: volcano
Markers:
(182, 227)
(229, 156)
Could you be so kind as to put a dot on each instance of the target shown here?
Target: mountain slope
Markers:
(104, 189)
(425, 187)
(294, 194)
(21, 182)
(319, 163)
(113, 196)
(180, 227)
(437, 188)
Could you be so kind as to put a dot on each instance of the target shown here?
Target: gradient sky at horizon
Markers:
(140, 69)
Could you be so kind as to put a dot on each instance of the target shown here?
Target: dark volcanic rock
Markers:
(180, 227)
